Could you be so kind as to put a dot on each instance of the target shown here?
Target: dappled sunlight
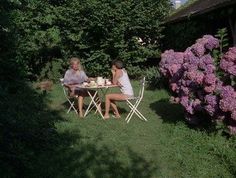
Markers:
(40, 146)
(76, 158)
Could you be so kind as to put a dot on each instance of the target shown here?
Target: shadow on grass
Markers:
(229, 161)
(90, 160)
(170, 113)
(174, 113)
(66, 105)
(30, 145)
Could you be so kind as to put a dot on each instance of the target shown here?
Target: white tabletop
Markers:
(96, 86)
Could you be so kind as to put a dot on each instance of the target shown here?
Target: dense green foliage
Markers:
(37, 37)
(49, 32)
(37, 138)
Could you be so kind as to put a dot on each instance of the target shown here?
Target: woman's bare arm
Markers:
(116, 75)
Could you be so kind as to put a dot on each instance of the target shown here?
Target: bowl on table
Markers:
(92, 84)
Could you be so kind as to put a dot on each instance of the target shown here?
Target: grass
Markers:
(41, 140)
(162, 147)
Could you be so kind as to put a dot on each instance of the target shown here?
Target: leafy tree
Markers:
(51, 31)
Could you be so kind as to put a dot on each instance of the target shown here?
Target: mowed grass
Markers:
(162, 147)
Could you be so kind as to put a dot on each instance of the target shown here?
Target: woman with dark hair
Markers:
(121, 78)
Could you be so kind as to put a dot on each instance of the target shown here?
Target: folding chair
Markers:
(133, 103)
(71, 100)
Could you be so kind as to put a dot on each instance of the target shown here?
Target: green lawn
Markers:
(162, 147)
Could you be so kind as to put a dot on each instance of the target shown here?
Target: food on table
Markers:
(92, 84)
(85, 84)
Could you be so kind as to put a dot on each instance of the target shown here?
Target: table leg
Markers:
(94, 102)
(91, 105)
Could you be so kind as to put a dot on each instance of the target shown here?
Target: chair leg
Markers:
(131, 111)
(72, 106)
(134, 110)
(129, 103)
(138, 113)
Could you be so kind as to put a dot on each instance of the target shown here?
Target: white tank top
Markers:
(124, 81)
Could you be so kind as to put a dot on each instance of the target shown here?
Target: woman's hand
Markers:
(71, 89)
(113, 72)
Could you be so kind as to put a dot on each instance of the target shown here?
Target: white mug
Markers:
(100, 81)
(93, 83)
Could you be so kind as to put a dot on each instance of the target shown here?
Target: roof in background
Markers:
(198, 7)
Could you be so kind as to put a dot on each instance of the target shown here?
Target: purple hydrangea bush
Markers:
(228, 62)
(192, 77)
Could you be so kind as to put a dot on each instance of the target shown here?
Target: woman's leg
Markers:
(84, 93)
(81, 94)
(109, 99)
(115, 109)
(81, 103)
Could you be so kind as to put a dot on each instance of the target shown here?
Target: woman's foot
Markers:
(106, 116)
(116, 115)
(81, 115)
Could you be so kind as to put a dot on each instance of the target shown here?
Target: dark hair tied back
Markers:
(118, 63)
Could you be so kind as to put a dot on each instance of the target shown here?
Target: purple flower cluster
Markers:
(228, 101)
(228, 62)
(191, 71)
(171, 63)
(192, 77)
(204, 44)
(211, 106)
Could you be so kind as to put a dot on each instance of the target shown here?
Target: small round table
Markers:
(103, 88)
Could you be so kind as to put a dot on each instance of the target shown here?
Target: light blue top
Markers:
(74, 77)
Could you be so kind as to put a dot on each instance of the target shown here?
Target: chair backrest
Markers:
(142, 87)
(63, 87)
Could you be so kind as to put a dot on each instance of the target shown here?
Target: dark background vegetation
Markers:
(182, 34)
(48, 32)
(37, 38)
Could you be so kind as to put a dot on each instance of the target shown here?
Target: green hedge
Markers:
(97, 31)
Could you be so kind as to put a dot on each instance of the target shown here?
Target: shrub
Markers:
(154, 78)
(93, 30)
(192, 76)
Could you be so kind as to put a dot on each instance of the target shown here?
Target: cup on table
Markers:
(100, 81)
(107, 82)
(92, 83)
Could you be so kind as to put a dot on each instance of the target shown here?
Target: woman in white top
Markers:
(121, 78)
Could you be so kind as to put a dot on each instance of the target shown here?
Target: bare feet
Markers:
(116, 116)
(81, 115)
(106, 116)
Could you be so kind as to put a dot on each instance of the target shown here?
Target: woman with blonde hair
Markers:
(74, 76)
